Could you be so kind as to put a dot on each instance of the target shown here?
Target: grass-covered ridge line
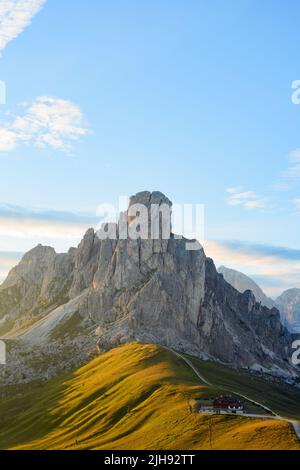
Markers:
(132, 397)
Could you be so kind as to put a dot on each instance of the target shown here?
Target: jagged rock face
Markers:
(241, 282)
(289, 304)
(86, 261)
(255, 330)
(40, 282)
(153, 290)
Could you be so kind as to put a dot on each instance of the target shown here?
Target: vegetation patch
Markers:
(133, 397)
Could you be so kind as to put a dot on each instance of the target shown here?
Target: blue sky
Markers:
(193, 98)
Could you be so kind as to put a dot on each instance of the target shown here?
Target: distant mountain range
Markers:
(288, 303)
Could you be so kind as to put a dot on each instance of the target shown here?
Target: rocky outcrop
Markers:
(289, 304)
(256, 330)
(39, 283)
(241, 282)
(153, 290)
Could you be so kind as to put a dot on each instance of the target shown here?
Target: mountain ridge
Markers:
(154, 290)
(242, 282)
(288, 303)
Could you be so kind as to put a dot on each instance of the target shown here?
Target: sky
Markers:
(107, 98)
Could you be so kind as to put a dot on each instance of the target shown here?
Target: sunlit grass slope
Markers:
(133, 397)
(283, 399)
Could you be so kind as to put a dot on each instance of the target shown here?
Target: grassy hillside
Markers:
(282, 399)
(133, 397)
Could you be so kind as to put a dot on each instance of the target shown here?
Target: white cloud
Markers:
(233, 190)
(248, 199)
(40, 229)
(26, 227)
(25, 233)
(15, 16)
(281, 186)
(8, 140)
(47, 122)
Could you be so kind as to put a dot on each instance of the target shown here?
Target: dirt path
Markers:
(295, 424)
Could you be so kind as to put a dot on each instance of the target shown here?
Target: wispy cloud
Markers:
(47, 122)
(10, 211)
(15, 16)
(296, 203)
(282, 186)
(41, 230)
(293, 170)
(249, 199)
(24, 228)
(275, 268)
(22, 222)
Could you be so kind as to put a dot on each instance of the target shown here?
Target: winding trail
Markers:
(295, 424)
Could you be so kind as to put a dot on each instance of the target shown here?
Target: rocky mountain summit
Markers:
(112, 291)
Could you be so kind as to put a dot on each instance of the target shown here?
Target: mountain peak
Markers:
(147, 198)
(150, 289)
(39, 251)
